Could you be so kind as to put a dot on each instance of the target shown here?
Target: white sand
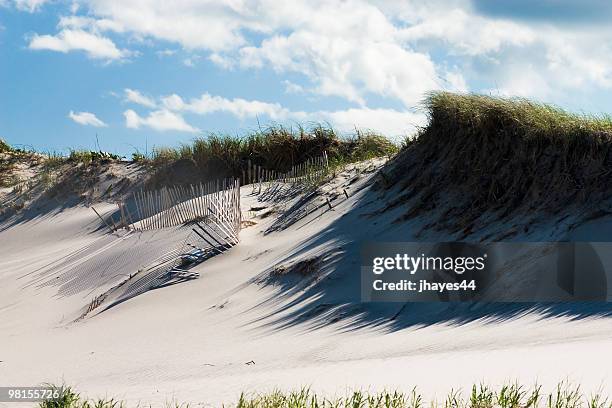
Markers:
(192, 341)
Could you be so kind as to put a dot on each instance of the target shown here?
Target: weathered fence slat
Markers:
(216, 203)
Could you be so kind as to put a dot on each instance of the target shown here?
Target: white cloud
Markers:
(86, 119)
(67, 40)
(95, 25)
(355, 49)
(29, 5)
(160, 120)
(206, 24)
(165, 53)
(345, 48)
(138, 98)
(221, 61)
(542, 59)
(455, 82)
(467, 33)
(348, 68)
(238, 107)
(388, 121)
(291, 87)
(522, 80)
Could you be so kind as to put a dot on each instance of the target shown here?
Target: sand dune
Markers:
(252, 322)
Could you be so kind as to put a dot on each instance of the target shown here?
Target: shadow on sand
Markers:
(333, 294)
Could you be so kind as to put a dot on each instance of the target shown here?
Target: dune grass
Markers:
(275, 148)
(54, 159)
(217, 156)
(522, 117)
(89, 156)
(512, 395)
(481, 396)
(502, 156)
(4, 146)
(68, 398)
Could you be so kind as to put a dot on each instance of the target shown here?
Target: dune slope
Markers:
(281, 309)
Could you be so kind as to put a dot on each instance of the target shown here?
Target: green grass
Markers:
(216, 156)
(4, 147)
(512, 395)
(138, 157)
(89, 156)
(70, 399)
(501, 157)
(529, 119)
(53, 160)
(7, 162)
(274, 148)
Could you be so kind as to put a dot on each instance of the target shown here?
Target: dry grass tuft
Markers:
(304, 268)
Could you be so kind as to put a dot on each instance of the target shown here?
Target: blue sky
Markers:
(142, 73)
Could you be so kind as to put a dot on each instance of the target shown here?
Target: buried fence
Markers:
(214, 202)
(256, 174)
(212, 213)
(306, 173)
(184, 251)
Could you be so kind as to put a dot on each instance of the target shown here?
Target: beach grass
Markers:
(215, 156)
(499, 157)
(4, 146)
(511, 395)
(519, 116)
(275, 148)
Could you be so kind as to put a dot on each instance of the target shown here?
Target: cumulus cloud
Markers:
(238, 107)
(138, 98)
(94, 45)
(348, 69)
(291, 87)
(356, 49)
(204, 24)
(159, 120)
(86, 119)
(467, 33)
(221, 61)
(388, 121)
(533, 57)
(345, 48)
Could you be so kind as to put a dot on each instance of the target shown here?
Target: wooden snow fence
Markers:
(307, 172)
(216, 202)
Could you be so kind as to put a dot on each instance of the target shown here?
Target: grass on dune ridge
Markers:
(501, 157)
(513, 395)
(527, 118)
(275, 148)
